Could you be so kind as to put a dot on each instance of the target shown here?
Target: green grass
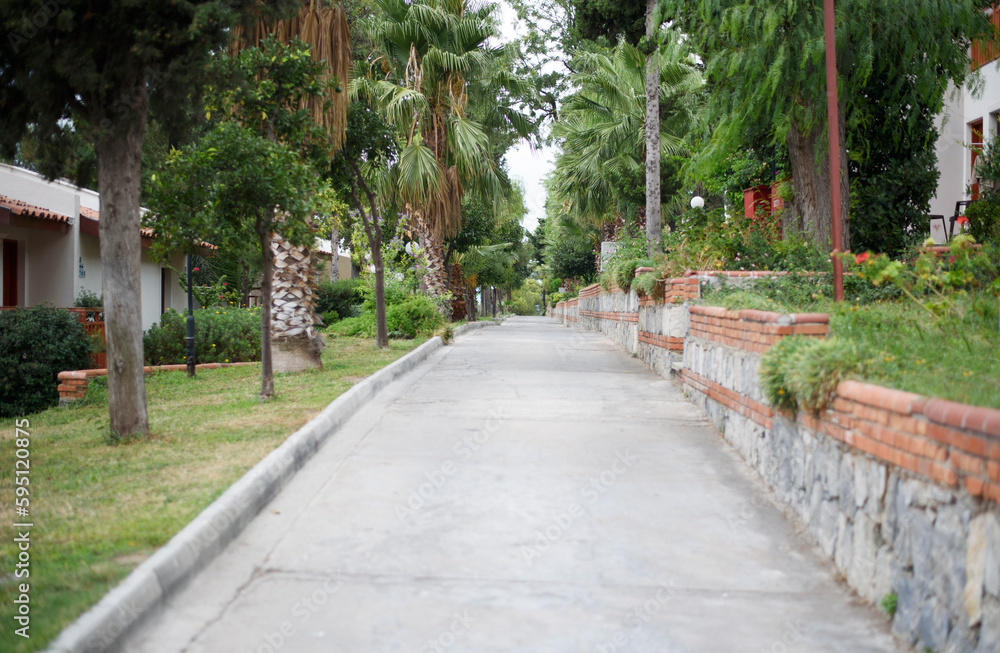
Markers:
(903, 346)
(99, 509)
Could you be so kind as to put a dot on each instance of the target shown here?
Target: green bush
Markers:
(418, 314)
(224, 335)
(35, 345)
(362, 325)
(984, 218)
(623, 271)
(526, 300)
(339, 299)
(803, 372)
(87, 299)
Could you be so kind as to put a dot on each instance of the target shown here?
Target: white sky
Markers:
(530, 167)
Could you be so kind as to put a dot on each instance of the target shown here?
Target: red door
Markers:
(9, 272)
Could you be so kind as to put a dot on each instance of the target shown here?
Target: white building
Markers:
(51, 249)
(969, 119)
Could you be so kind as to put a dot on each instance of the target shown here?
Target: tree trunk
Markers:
(654, 233)
(266, 368)
(373, 231)
(811, 211)
(381, 330)
(295, 344)
(334, 253)
(119, 157)
(436, 279)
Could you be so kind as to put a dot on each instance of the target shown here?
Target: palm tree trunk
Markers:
(296, 344)
(654, 233)
(436, 279)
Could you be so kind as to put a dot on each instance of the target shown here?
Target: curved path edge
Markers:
(144, 590)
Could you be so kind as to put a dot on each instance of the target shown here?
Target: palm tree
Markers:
(292, 300)
(431, 59)
(602, 127)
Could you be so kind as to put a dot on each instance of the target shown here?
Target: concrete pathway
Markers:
(530, 489)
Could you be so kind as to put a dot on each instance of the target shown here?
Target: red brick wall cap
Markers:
(973, 418)
(869, 394)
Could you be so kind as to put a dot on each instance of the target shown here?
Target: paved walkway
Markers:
(530, 489)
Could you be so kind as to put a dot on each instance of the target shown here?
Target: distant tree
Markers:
(70, 67)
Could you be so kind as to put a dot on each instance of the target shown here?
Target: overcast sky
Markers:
(524, 164)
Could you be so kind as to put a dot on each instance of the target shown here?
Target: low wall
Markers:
(901, 491)
(73, 384)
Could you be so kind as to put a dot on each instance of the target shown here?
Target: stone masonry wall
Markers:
(901, 491)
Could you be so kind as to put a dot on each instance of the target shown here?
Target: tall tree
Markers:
(602, 127)
(428, 53)
(67, 67)
(765, 60)
(654, 233)
(324, 29)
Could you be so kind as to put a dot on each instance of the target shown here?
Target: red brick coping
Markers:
(616, 316)
(73, 385)
(753, 330)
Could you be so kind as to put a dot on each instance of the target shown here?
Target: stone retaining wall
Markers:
(901, 491)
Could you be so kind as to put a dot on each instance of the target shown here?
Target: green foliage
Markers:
(88, 299)
(610, 20)
(984, 218)
(740, 299)
(888, 604)
(766, 61)
(526, 300)
(339, 299)
(892, 167)
(36, 344)
(623, 271)
(601, 167)
(417, 315)
(224, 335)
(708, 240)
(571, 255)
(801, 372)
(556, 297)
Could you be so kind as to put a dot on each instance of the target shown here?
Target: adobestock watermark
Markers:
(31, 23)
(22, 528)
(463, 449)
(595, 488)
(460, 625)
(637, 618)
(301, 612)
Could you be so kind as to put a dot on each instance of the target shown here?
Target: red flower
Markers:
(861, 258)
(194, 269)
(962, 220)
(224, 283)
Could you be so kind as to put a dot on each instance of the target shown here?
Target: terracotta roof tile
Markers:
(145, 231)
(17, 207)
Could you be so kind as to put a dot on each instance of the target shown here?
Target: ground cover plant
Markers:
(222, 335)
(99, 509)
(928, 325)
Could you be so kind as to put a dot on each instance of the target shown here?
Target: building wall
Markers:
(951, 154)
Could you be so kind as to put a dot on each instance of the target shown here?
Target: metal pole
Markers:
(189, 340)
(833, 127)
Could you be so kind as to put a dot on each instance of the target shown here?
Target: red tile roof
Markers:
(145, 231)
(17, 207)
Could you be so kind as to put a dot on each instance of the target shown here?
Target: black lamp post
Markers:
(189, 340)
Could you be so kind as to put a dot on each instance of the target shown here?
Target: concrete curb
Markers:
(145, 589)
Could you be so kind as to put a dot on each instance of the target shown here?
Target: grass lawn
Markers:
(906, 348)
(99, 509)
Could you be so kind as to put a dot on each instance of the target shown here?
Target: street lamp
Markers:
(697, 202)
(189, 340)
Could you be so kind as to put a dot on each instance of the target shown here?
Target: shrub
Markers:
(649, 284)
(624, 271)
(339, 299)
(225, 335)
(35, 345)
(526, 300)
(803, 372)
(87, 299)
(418, 314)
(984, 218)
(362, 325)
